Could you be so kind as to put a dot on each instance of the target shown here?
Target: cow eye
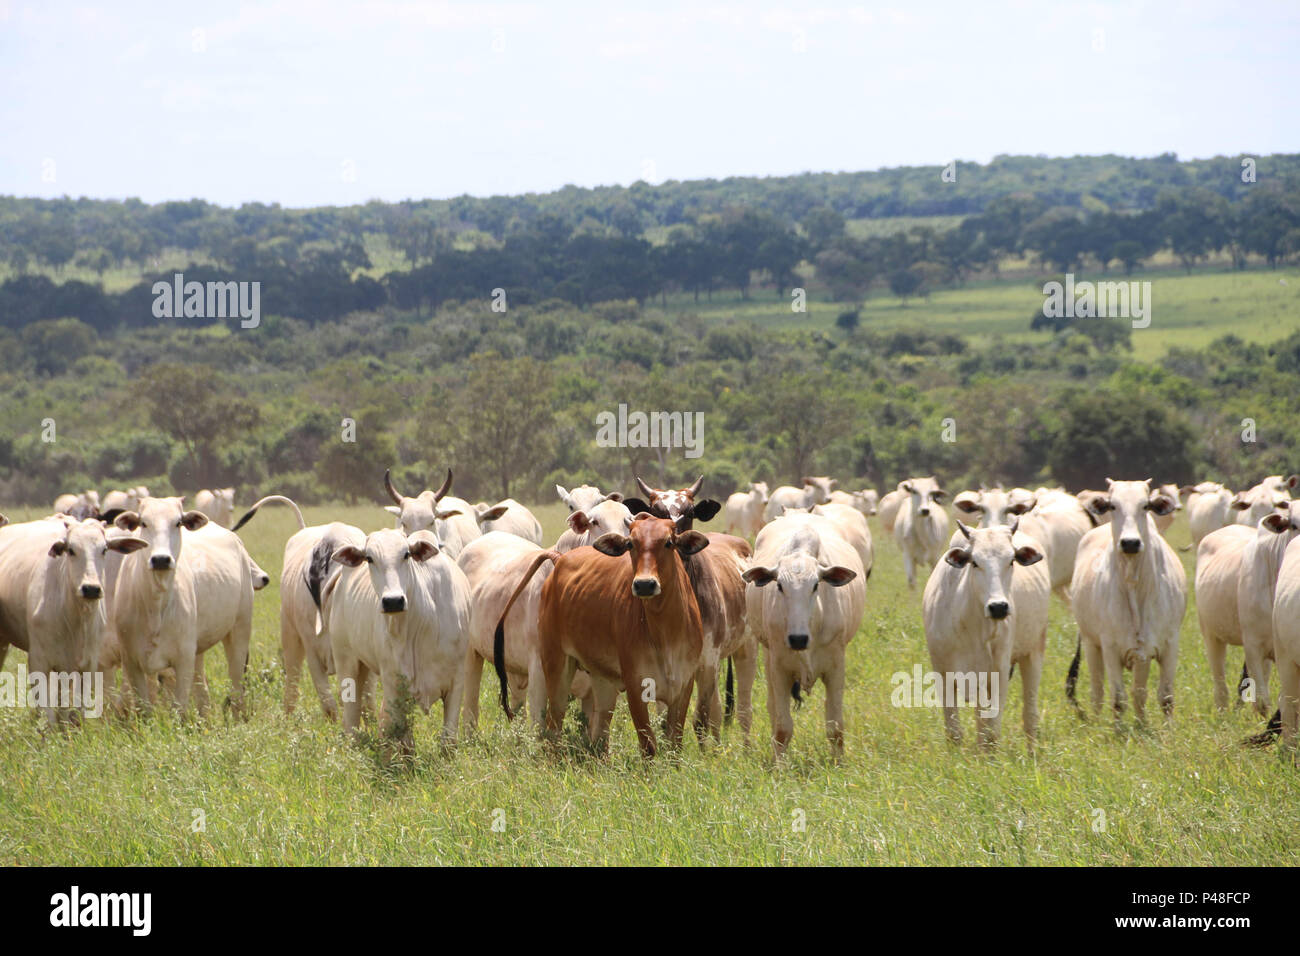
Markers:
(407, 556)
(779, 588)
(369, 560)
(815, 583)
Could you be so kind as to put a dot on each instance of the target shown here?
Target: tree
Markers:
(506, 417)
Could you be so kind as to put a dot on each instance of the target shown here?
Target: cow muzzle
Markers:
(161, 562)
(925, 512)
(797, 642)
(998, 609)
(645, 587)
(92, 592)
(393, 603)
(1130, 545)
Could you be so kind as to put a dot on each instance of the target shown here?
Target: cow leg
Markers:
(1288, 676)
(559, 678)
(1096, 674)
(235, 644)
(537, 692)
(134, 675)
(1257, 666)
(473, 684)
(292, 652)
(451, 710)
(187, 668)
(645, 734)
(745, 661)
(1031, 673)
(834, 683)
(1141, 674)
(1165, 687)
(779, 683)
(909, 568)
(604, 698)
(349, 673)
(319, 670)
(518, 687)
(678, 709)
(1115, 673)
(988, 726)
(1216, 654)
(708, 705)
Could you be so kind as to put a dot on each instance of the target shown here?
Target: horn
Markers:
(964, 530)
(694, 489)
(388, 483)
(1014, 525)
(643, 487)
(446, 487)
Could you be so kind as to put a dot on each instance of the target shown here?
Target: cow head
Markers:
(80, 555)
(994, 507)
(390, 555)
(652, 542)
(421, 512)
(867, 500)
(485, 513)
(607, 517)
(1128, 503)
(923, 494)
(159, 522)
(585, 497)
(821, 488)
(1271, 494)
(679, 506)
(759, 488)
(798, 575)
(987, 560)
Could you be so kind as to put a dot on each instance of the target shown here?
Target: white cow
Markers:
(1130, 595)
(804, 627)
(452, 520)
(119, 501)
(218, 504)
(607, 516)
(84, 505)
(888, 509)
(852, 526)
(224, 586)
(815, 491)
(51, 590)
(1261, 561)
(509, 516)
(1208, 509)
(921, 528)
(1286, 643)
(1164, 521)
(744, 510)
(1218, 573)
(985, 609)
(1271, 494)
(400, 608)
(865, 501)
(585, 497)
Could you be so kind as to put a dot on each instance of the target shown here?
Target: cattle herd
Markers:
(634, 599)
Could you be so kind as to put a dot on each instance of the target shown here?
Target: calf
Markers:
(744, 510)
(399, 607)
(1130, 594)
(921, 528)
(51, 591)
(985, 610)
(804, 628)
(632, 623)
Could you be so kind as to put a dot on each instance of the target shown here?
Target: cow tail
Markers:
(729, 704)
(281, 499)
(499, 635)
(1241, 684)
(795, 693)
(1270, 732)
(1072, 678)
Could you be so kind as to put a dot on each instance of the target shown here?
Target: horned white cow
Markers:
(1208, 509)
(815, 491)
(804, 627)
(1055, 520)
(865, 501)
(218, 504)
(51, 590)
(921, 528)
(743, 511)
(399, 607)
(1271, 494)
(509, 516)
(1130, 594)
(985, 610)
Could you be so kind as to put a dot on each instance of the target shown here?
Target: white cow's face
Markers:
(159, 522)
(608, 517)
(988, 560)
(420, 513)
(759, 488)
(389, 555)
(1128, 502)
(822, 487)
(80, 554)
(797, 576)
(585, 497)
(924, 494)
(995, 508)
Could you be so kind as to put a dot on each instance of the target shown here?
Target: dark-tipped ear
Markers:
(837, 576)
(706, 510)
(449, 513)
(614, 496)
(967, 502)
(58, 547)
(759, 576)
(1277, 523)
(1186, 490)
(127, 545)
(422, 549)
(690, 542)
(193, 520)
(1292, 481)
(1162, 505)
(1239, 503)
(636, 506)
(612, 544)
(349, 555)
(938, 495)
(1098, 504)
(957, 557)
(491, 514)
(1023, 507)
(1025, 556)
(579, 523)
(127, 521)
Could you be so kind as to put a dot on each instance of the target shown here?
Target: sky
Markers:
(333, 103)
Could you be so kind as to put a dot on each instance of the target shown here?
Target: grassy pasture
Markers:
(289, 789)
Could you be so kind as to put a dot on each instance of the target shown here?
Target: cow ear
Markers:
(127, 545)
(564, 495)
(1186, 490)
(3, 521)
(492, 514)
(127, 521)
(967, 502)
(957, 557)
(1162, 505)
(636, 506)
(938, 495)
(444, 515)
(1098, 504)
(1023, 507)
(349, 555)
(612, 544)
(614, 496)
(690, 542)
(193, 520)
(907, 486)
(58, 548)
(1277, 523)
(705, 510)
(422, 549)
(393, 510)
(1025, 556)
(837, 576)
(1292, 481)
(1238, 502)
(579, 523)
(759, 576)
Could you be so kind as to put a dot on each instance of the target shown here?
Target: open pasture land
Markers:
(290, 789)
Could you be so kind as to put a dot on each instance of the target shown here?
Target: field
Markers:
(289, 789)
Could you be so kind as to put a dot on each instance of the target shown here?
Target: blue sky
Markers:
(312, 103)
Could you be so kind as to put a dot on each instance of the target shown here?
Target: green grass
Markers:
(280, 789)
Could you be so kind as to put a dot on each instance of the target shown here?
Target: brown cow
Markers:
(715, 578)
(632, 625)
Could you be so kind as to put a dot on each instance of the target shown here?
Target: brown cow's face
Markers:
(650, 542)
(677, 505)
